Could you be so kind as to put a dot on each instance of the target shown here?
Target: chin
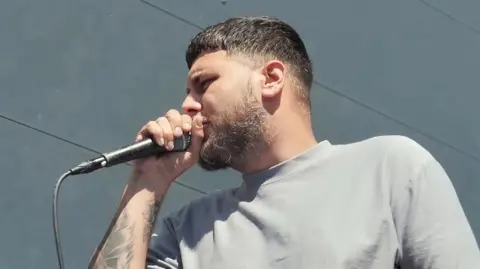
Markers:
(210, 166)
(213, 158)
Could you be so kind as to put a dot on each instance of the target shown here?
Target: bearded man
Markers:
(384, 202)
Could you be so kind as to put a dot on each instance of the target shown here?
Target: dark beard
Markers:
(238, 135)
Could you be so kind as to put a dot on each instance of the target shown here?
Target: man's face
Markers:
(223, 90)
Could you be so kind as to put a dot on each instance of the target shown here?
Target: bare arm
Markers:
(125, 244)
(126, 241)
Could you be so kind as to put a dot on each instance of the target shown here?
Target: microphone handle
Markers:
(138, 150)
(143, 149)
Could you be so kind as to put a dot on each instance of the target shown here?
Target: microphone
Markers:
(142, 149)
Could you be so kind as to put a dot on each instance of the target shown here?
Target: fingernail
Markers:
(186, 126)
(178, 131)
(170, 145)
(162, 142)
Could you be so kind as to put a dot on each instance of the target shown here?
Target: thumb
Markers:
(197, 134)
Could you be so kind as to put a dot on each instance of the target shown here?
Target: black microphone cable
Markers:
(55, 218)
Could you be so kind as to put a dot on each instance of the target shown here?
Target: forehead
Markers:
(206, 62)
(218, 61)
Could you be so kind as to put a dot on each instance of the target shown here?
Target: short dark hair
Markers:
(266, 37)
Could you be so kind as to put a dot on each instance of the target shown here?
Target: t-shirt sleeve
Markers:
(163, 252)
(432, 227)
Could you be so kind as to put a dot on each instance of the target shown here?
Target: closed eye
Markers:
(204, 84)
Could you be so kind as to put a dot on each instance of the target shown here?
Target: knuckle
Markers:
(174, 117)
(167, 129)
(171, 122)
(160, 119)
(172, 113)
(168, 135)
(164, 123)
(148, 127)
(186, 118)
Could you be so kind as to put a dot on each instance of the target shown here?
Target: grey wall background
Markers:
(83, 76)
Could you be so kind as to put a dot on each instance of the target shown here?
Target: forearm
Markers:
(126, 242)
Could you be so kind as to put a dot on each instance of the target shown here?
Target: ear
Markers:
(274, 79)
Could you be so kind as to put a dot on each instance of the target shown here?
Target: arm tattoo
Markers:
(151, 218)
(118, 249)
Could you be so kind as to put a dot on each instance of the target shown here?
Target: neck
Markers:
(288, 141)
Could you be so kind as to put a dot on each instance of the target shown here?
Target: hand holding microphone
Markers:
(164, 131)
(178, 135)
(153, 171)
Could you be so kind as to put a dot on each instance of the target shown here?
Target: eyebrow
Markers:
(194, 77)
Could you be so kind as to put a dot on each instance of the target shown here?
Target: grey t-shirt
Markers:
(381, 203)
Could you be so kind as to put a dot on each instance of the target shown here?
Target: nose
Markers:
(191, 105)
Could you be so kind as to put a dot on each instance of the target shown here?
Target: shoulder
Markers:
(388, 158)
(388, 143)
(402, 164)
(389, 149)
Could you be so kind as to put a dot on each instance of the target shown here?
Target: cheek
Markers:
(216, 100)
(211, 104)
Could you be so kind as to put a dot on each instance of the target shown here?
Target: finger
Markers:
(152, 130)
(197, 134)
(186, 123)
(175, 120)
(141, 133)
(167, 132)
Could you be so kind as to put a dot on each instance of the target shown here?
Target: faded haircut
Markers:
(258, 38)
